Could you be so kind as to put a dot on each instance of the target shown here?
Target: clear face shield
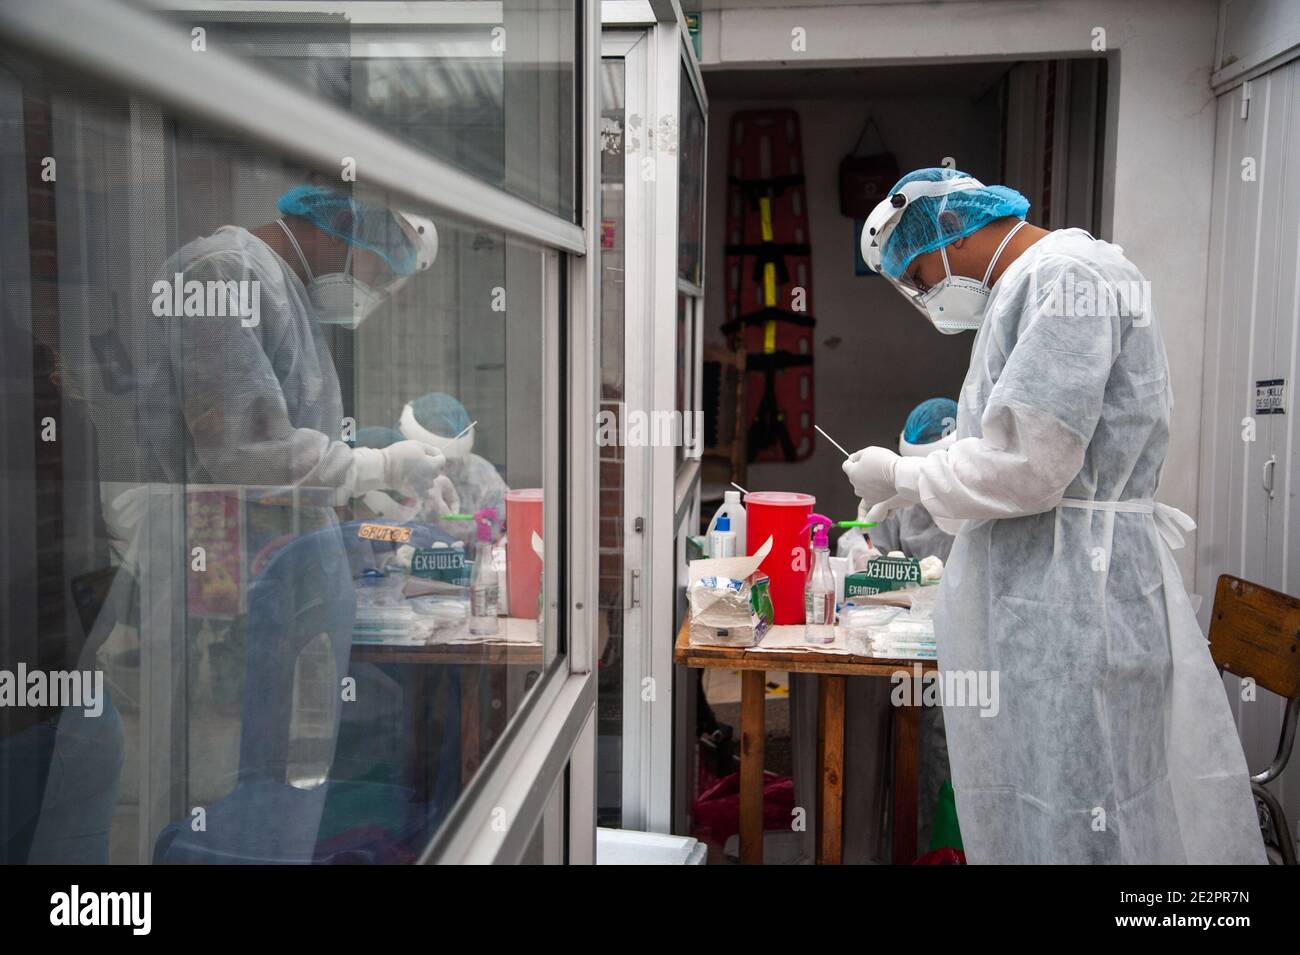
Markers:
(911, 292)
(886, 216)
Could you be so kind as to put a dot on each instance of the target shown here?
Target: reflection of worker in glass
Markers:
(237, 387)
(258, 392)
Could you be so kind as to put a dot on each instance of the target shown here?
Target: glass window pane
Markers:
(613, 230)
(486, 85)
(243, 445)
(690, 199)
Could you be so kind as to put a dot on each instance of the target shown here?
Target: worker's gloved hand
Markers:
(878, 512)
(443, 497)
(871, 472)
(412, 467)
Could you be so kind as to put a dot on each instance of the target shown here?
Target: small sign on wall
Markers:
(1270, 396)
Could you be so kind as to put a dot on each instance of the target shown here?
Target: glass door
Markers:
(620, 717)
(652, 125)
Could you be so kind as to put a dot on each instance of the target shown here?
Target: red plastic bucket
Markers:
(523, 568)
(783, 516)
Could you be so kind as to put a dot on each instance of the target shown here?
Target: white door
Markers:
(1250, 526)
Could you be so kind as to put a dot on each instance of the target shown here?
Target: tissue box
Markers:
(882, 574)
(727, 612)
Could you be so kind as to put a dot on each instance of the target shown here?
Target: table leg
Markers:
(498, 701)
(830, 813)
(470, 716)
(421, 735)
(753, 693)
(907, 765)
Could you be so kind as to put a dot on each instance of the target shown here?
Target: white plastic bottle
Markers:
(722, 540)
(735, 512)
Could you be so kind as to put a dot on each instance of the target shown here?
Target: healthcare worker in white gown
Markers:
(1111, 740)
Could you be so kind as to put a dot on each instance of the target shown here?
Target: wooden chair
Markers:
(1255, 633)
(725, 458)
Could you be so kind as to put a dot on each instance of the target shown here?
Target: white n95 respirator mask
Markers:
(957, 303)
(339, 298)
(342, 299)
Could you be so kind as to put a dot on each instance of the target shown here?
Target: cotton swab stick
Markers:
(831, 440)
(467, 427)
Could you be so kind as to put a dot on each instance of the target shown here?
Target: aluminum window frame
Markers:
(550, 734)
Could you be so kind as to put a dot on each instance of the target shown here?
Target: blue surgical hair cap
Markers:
(369, 227)
(440, 414)
(931, 222)
(929, 421)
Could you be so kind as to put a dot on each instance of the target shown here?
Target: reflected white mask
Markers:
(339, 298)
(957, 303)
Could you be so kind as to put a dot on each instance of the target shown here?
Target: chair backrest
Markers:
(1255, 632)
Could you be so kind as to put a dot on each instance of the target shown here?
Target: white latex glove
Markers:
(871, 471)
(443, 497)
(878, 512)
(412, 467)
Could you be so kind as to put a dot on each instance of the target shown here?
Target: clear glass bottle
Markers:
(819, 591)
(484, 582)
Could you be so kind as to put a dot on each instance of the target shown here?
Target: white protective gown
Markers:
(1113, 741)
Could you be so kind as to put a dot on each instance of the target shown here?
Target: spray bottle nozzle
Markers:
(485, 520)
(822, 525)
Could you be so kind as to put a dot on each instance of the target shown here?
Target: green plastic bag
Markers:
(945, 834)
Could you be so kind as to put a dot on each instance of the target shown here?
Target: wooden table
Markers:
(832, 669)
(472, 656)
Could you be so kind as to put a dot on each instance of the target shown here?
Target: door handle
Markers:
(1270, 466)
(634, 589)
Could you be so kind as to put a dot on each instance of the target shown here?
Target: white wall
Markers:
(1161, 146)
(874, 356)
